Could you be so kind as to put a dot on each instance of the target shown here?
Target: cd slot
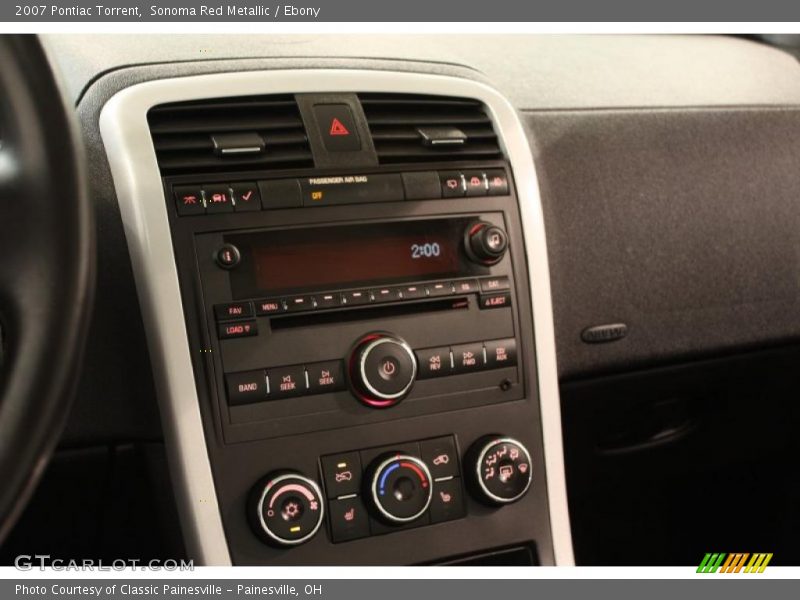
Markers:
(360, 313)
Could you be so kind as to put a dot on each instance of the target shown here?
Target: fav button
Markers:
(440, 456)
(342, 473)
(233, 310)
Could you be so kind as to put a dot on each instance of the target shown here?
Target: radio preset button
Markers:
(269, 306)
(239, 329)
(285, 382)
(387, 294)
(330, 300)
(299, 303)
(246, 387)
(233, 310)
(434, 362)
(356, 297)
(468, 286)
(413, 292)
(327, 376)
(501, 353)
(468, 358)
(440, 288)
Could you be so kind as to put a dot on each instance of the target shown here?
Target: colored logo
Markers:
(734, 563)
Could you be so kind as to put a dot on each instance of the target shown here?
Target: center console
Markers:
(369, 381)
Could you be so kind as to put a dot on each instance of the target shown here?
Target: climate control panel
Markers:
(380, 490)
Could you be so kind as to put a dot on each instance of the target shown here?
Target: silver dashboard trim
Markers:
(132, 159)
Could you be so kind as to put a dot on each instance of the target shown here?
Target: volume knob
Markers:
(382, 370)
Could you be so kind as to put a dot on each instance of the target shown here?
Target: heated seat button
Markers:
(434, 362)
(342, 473)
(440, 456)
(468, 357)
(448, 501)
(218, 199)
(349, 519)
(475, 183)
(453, 185)
(233, 310)
(246, 387)
(285, 382)
(497, 182)
(269, 306)
(246, 197)
(237, 330)
(501, 353)
(327, 376)
(338, 128)
(189, 201)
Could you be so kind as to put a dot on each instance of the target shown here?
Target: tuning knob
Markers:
(400, 488)
(485, 243)
(382, 370)
(286, 509)
(501, 469)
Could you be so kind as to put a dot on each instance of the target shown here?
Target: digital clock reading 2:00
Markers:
(429, 250)
(340, 256)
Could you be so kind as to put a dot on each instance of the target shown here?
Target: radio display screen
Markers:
(342, 256)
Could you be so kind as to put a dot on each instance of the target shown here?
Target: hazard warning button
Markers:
(337, 127)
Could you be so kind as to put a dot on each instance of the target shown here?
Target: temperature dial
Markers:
(382, 370)
(287, 508)
(400, 488)
(502, 471)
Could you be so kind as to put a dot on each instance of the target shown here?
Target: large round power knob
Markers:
(382, 370)
(286, 508)
(485, 243)
(501, 469)
(400, 488)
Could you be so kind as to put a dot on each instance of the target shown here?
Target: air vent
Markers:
(229, 134)
(416, 128)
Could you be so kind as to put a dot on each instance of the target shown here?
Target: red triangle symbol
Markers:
(337, 128)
